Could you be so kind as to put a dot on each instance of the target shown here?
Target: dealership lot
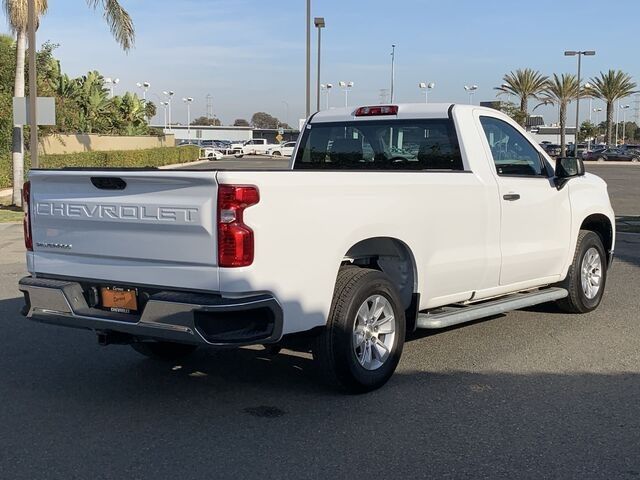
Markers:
(533, 393)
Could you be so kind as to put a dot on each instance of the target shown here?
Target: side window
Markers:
(512, 152)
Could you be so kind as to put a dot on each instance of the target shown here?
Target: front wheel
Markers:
(166, 351)
(587, 275)
(360, 347)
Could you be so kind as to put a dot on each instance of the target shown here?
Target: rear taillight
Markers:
(26, 202)
(235, 239)
(377, 110)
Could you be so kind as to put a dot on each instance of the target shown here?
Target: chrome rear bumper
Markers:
(171, 316)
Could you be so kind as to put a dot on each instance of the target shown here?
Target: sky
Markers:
(249, 55)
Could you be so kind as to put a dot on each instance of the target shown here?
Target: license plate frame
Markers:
(119, 299)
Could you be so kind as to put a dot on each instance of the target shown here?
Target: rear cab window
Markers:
(379, 145)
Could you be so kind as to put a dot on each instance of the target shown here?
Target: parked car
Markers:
(552, 149)
(284, 149)
(613, 154)
(211, 153)
(582, 147)
(363, 242)
(256, 146)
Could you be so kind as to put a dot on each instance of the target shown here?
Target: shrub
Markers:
(152, 157)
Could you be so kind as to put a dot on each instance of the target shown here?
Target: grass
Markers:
(10, 214)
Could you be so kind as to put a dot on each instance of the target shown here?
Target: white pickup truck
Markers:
(256, 146)
(391, 218)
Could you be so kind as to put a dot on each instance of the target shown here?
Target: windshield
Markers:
(380, 145)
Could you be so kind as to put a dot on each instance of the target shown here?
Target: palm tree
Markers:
(121, 27)
(560, 91)
(523, 84)
(611, 86)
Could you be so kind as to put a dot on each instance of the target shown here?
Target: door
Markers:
(535, 215)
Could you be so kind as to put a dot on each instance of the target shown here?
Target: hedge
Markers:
(152, 157)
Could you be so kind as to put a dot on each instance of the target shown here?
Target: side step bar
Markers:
(462, 314)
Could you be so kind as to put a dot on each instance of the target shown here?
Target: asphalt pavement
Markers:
(531, 394)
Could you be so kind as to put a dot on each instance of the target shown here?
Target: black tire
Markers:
(166, 351)
(577, 301)
(333, 349)
(601, 159)
(277, 154)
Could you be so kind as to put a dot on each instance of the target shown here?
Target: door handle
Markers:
(511, 197)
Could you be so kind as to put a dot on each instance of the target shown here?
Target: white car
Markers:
(210, 153)
(282, 150)
(391, 218)
(256, 146)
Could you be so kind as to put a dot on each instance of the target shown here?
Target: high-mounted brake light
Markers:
(376, 111)
(26, 222)
(235, 239)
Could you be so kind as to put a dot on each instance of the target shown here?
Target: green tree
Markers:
(7, 72)
(241, 122)
(264, 120)
(560, 90)
(610, 87)
(524, 84)
(202, 120)
(511, 109)
(121, 27)
(588, 130)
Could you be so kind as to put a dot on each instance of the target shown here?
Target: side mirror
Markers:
(566, 169)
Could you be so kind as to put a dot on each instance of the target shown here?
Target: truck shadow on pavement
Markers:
(71, 406)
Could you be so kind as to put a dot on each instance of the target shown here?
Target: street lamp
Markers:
(597, 112)
(345, 87)
(144, 86)
(308, 60)
(471, 89)
(165, 104)
(579, 54)
(319, 23)
(624, 121)
(327, 87)
(112, 82)
(393, 69)
(188, 101)
(169, 94)
(426, 87)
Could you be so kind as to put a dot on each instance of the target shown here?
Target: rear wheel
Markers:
(587, 275)
(635, 159)
(167, 351)
(360, 347)
(601, 159)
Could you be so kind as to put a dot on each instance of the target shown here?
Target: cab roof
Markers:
(405, 111)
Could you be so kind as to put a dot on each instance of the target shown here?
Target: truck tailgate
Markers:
(146, 227)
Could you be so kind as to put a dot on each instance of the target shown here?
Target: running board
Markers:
(462, 314)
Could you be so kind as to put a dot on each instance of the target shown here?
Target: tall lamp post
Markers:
(346, 86)
(319, 23)
(112, 82)
(327, 87)
(169, 94)
(597, 112)
(579, 54)
(426, 87)
(308, 66)
(393, 69)
(188, 101)
(624, 121)
(165, 104)
(471, 89)
(145, 87)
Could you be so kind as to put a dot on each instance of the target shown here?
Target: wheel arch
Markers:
(391, 256)
(600, 224)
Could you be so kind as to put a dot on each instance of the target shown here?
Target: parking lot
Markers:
(530, 394)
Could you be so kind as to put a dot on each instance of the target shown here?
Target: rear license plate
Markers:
(118, 299)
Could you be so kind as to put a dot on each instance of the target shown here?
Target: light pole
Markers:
(319, 23)
(112, 82)
(579, 53)
(188, 101)
(286, 118)
(597, 112)
(345, 87)
(471, 89)
(327, 87)
(144, 86)
(308, 104)
(169, 94)
(393, 69)
(624, 120)
(426, 87)
(165, 104)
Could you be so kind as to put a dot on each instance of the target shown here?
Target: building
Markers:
(183, 133)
